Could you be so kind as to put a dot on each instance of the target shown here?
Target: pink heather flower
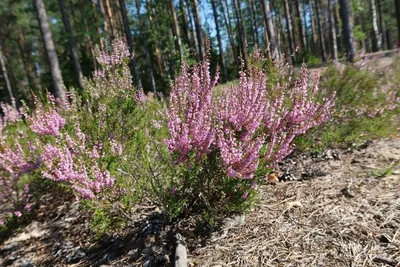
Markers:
(63, 163)
(28, 206)
(17, 213)
(1, 222)
(114, 76)
(191, 111)
(119, 52)
(10, 112)
(242, 119)
(46, 122)
(116, 148)
(14, 161)
(173, 190)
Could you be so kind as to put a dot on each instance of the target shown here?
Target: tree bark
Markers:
(266, 37)
(175, 29)
(185, 22)
(197, 24)
(27, 61)
(242, 36)
(50, 50)
(150, 13)
(110, 18)
(397, 3)
(269, 28)
(106, 21)
(5, 75)
(333, 30)
(146, 50)
(254, 25)
(192, 29)
(300, 25)
(230, 32)
(72, 44)
(346, 15)
(382, 27)
(313, 28)
(221, 51)
(338, 30)
(289, 31)
(133, 65)
(320, 31)
(95, 20)
(377, 35)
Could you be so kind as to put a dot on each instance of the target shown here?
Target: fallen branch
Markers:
(387, 261)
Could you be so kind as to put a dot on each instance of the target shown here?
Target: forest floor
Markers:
(342, 209)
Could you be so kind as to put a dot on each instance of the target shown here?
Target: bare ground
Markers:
(345, 211)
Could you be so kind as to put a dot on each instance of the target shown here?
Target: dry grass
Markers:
(346, 218)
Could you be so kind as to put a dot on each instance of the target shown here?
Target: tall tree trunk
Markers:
(397, 3)
(72, 44)
(254, 18)
(269, 28)
(5, 75)
(266, 37)
(306, 30)
(338, 29)
(242, 37)
(133, 65)
(347, 21)
(221, 51)
(197, 24)
(192, 29)
(289, 31)
(95, 20)
(333, 30)
(175, 29)
(300, 25)
(106, 21)
(27, 61)
(320, 31)
(150, 12)
(110, 18)
(382, 27)
(185, 22)
(146, 49)
(377, 36)
(228, 26)
(253, 28)
(50, 50)
(313, 28)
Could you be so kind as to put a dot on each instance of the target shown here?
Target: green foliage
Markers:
(366, 99)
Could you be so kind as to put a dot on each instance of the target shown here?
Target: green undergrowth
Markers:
(367, 106)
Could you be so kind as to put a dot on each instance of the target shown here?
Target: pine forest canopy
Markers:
(52, 44)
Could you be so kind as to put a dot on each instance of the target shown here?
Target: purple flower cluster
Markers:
(114, 76)
(76, 164)
(243, 119)
(120, 51)
(190, 117)
(46, 122)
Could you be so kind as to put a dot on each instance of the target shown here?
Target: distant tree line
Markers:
(51, 44)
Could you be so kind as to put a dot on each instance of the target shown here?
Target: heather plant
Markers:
(80, 144)
(227, 142)
(367, 105)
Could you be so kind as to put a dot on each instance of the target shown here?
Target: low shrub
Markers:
(227, 142)
(367, 105)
